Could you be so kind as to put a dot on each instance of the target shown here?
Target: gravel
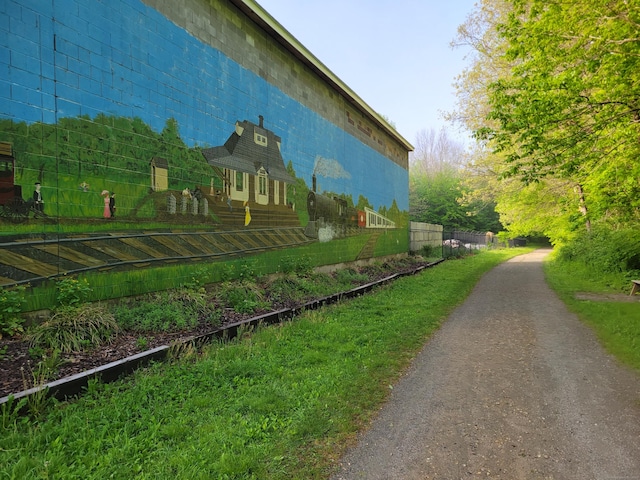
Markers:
(512, 386)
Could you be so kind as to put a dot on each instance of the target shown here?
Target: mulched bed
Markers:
(17, 365)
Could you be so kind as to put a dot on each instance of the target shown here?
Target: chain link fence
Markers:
(432, 241)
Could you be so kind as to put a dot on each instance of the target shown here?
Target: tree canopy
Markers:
(553, 96)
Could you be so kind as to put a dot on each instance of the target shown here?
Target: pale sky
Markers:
(395, 54)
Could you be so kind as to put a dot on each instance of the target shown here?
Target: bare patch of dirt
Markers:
(607, 297)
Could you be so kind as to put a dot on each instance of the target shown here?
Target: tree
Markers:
(436, 186)
(569, 109)
(435, 151)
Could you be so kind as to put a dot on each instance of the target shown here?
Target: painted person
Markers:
(112, 205)
(247, 214)
(106, 213)
(38, 202)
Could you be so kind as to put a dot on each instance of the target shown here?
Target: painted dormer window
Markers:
(260, 136)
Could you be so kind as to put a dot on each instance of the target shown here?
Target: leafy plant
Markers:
(73, 329)
(243, 297)
(11, 303)
(298, 264)
(349, 276)
(142, 343)
(73, 291)
(172, 310)
(10, 412)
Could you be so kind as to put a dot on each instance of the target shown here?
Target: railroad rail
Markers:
(30, 259)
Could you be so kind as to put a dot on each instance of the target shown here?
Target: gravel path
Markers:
(513, 386)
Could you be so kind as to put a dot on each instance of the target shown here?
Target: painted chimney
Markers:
(261, 121)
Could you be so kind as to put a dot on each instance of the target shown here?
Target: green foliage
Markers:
(348, 276)
(298, 264)
(565, 108)
(605, 250)
(142, 343)
(436, 198)
(168, 311)
(428, 251)
(10, 414)
(73, 291)
(12, 301)
(75, 328)
(242, 296)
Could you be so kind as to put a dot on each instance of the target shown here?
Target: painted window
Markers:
(239, 181)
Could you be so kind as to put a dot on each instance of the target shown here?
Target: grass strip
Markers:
(616, 323)
(280, 402)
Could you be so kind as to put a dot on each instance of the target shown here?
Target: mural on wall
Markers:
(101, 189)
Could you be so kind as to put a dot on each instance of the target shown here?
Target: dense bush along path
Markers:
(512, 386)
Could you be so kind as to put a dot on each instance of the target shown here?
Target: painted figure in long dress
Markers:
(247, 214)
(107, 211)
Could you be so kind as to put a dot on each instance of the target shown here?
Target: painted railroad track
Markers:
(33, 260)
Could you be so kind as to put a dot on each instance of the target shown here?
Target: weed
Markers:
(183, 350)
(300, 264)
(11, 304)
(73, 291)
(142, 343)
(247, 270)
(428, 250)
(75, 328)
(243, 297)
(10, 412)
(347, 276)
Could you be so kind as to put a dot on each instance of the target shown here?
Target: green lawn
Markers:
(616, 323)
(281, 402)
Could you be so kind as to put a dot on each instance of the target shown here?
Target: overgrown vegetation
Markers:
(279, 402)
(11, 304)
(77, 329)
(73, 329)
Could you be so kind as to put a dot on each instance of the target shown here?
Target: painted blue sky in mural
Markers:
(132, 80)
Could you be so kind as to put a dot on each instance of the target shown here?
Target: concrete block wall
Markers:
(422, 234)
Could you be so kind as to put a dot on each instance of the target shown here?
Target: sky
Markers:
(394, 54)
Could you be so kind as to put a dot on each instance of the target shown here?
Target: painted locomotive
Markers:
(338, 219)
(12, 205)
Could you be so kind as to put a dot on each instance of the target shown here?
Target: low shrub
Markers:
(243, 297)
(11, 304)
(169, 311)
(605, 250)
(73, 329)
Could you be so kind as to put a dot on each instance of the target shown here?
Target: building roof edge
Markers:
(270, 25)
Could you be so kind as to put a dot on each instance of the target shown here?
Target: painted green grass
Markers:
(279, 403)
(135, 282)
(617, 324)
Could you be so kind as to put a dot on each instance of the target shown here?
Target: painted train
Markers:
(324, 210)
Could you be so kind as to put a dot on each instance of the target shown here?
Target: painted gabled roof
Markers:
(241, 152)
